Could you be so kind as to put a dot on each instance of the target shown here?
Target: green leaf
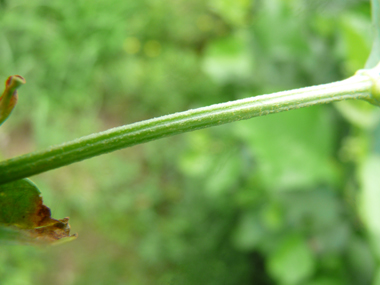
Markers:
(249, 231)
(18, 203)
(359, 113)
(232, 11)
(326, 280)
(370, 198)
(228, 59)
(23, 216)
(374, 56)
(293, 262)
(356, 40)
(293, 149)
(362, 260)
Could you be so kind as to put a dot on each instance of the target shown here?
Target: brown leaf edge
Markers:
(39, 228)
(47, 230)
(54, 234)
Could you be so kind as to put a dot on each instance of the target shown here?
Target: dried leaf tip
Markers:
(14, 81)
(8, 99)
(56, 233)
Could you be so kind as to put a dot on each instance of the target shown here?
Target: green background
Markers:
(290, 198)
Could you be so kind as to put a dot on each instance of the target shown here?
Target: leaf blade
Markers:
(26, 218)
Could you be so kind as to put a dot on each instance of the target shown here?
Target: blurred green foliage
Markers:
(290, 198)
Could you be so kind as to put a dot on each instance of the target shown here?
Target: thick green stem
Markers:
(359, 86)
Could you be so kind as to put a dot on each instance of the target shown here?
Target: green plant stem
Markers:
(359, 86)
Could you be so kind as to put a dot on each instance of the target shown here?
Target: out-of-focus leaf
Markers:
(376, 139)
(374, 56)
(356, 42)
(359, 113)
(326, 281)
(362, 261)
(228, 59)
(292, 149)
(23, 215)
(293, 262)
(233, 11)
(304, 209)
(376, 279)
(224, 176)
(249, 232)
(370, 197)
(197, 161)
